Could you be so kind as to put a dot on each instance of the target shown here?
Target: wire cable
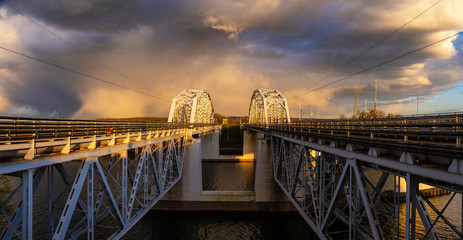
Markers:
(307, 90)
(83, 52)
(79, 73)
(387, 61)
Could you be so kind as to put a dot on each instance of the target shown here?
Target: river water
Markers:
(228, 176)
(229, 225)
(221, 225)
(203, 225)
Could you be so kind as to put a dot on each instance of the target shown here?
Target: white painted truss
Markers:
(192, 106)
(268, 106)
(113, 186)
(329, 189)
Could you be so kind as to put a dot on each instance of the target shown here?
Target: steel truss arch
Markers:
(192, 106)
(268, 106)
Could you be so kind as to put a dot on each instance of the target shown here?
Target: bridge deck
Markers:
(321, 165)
(126, 168)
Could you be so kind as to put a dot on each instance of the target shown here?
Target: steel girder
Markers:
(332, 194)
(268, 106)
(192, 106)
(106, 190)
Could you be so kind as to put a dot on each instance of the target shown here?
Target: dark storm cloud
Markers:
(91, 15)
(290, 44)
(46, 94)
(177, 25)
(327, 34)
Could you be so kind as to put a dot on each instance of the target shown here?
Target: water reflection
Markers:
(228, 176)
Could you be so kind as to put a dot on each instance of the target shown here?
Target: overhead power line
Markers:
(387, 61)
(86, 54)
(80, 73)
(307, 90)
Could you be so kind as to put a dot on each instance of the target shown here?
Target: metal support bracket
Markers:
(31, 152)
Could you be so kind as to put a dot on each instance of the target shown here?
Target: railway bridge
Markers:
(347, 179)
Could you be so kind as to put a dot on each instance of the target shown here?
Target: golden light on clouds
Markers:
(229, 48)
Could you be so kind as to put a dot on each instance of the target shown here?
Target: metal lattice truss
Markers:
(268, 106)
(192, 106)
(335, 198)
(112, 187)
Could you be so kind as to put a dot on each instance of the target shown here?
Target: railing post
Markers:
(331, 127)
(404, 122)
(457, 130)
(348, 128)
(372, 128)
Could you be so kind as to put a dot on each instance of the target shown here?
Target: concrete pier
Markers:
(188, 194)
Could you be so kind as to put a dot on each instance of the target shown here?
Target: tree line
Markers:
(369, 114)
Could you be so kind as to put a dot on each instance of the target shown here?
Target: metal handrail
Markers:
(19, 128)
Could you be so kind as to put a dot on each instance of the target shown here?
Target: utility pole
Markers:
(355, 103)
(300, 112)
(416, 104)
(356, 91)
(376, 88)
(366, 104)
(414, 94)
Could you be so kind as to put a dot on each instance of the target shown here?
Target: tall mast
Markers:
(376, 88)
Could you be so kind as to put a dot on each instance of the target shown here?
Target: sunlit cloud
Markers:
(229, 48)
(219, 23)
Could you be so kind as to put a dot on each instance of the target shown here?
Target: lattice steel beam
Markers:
(329, 189)
(109, 186)
(268, 106)
(192, 106)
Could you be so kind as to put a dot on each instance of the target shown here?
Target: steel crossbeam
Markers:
(330, 190)
(115, 185)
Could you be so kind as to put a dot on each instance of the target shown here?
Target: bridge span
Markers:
(335, 172)
(347, 179)
(96, 173)
(326, 168)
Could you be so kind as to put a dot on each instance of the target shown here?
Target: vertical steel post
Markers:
(124, 185)
(146, 167)
(410, 221)
(27, 204)
(50, 202)
(351, 213)
(321, 172)
(396, 218)
(90, 210)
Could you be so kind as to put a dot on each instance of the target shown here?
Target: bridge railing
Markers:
(365, 173)
(17, 129)
(440, 128)
(126, 168)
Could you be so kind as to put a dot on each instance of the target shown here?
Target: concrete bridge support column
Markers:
(265, 187)
(249, 145)
(189, 187)
(210, 145)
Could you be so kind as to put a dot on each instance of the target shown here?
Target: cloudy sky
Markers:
(229, 48)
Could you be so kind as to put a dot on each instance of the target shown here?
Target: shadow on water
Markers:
(231, 140)
(221, 225)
